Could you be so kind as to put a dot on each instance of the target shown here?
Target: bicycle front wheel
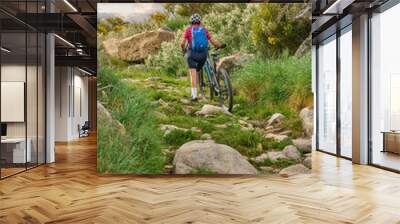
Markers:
(225, 90)
(206, 88)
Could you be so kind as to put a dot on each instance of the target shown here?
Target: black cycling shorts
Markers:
(196, 59)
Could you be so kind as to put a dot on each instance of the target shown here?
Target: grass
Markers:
(178, 137)
(279, 164)
(246, 142)
(202, 171)
(281, 85)
(139, 150)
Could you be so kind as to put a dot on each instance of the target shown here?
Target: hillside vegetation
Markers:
(148, 98)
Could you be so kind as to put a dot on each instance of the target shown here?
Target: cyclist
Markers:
(195, 39)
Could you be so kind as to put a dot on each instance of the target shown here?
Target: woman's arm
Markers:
(215, 43)
(183, 43)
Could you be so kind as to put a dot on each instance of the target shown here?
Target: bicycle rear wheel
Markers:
(225, 90)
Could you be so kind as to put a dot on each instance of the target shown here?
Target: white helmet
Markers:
(195, 18)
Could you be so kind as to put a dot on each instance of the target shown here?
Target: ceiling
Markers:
(74, 22)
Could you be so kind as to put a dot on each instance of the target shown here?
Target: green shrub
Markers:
(178, 137)
(175, 23)
(276, 28)
(139, 150)
(170, 58)
(267, 86)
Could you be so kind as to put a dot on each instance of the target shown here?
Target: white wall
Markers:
(71, 87)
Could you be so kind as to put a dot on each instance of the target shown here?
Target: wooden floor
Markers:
(70, 191)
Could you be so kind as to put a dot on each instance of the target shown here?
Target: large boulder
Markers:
(138, 47)
(294, 170)
(105, 115)
(307, 116)
(291, 152)
(209, 155)
(111, 46)
(234, 60)
(303, 144)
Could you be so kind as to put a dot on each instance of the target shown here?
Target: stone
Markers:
(261, 158)
(287, 132)
(231, 61)
(307, 117)
(167, 128)
(206, 136)
(275, 155)
(260, 147)
(247, 129)
(223, 126)
(242, 122)
(218, 158)
(274, 130)
(185, 101)
(235, 106)
(208, 109)
(291, 152)
(196, 129)
(163, 103)
(131, 81)
(307, 162)
(294, 170)
(103, 113)
(169, 169)
(188, 110)
(256, 123)
(139, 46)
(277, 138)
(303, 144)
(153, 78)
(268, 128)
(246, 124)
(275, 119)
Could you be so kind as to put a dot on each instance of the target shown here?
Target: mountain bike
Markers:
(216, 82)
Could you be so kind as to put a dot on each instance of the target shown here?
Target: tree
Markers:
(158, 18)
(277, 28)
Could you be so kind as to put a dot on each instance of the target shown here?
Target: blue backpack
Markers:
(199, 39)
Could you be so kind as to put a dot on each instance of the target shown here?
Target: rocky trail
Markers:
(201, 153)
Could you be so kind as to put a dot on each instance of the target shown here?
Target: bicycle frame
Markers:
(211, 74)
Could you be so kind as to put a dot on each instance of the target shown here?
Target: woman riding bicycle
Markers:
(195, 39)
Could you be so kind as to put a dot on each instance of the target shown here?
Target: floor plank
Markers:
(70, 191)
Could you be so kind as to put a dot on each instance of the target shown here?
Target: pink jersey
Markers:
(188, 34)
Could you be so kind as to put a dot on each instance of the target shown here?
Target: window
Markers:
(327, 95)
(385, 88)
(346, 92)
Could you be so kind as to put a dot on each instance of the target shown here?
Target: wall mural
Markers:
(204, 88)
